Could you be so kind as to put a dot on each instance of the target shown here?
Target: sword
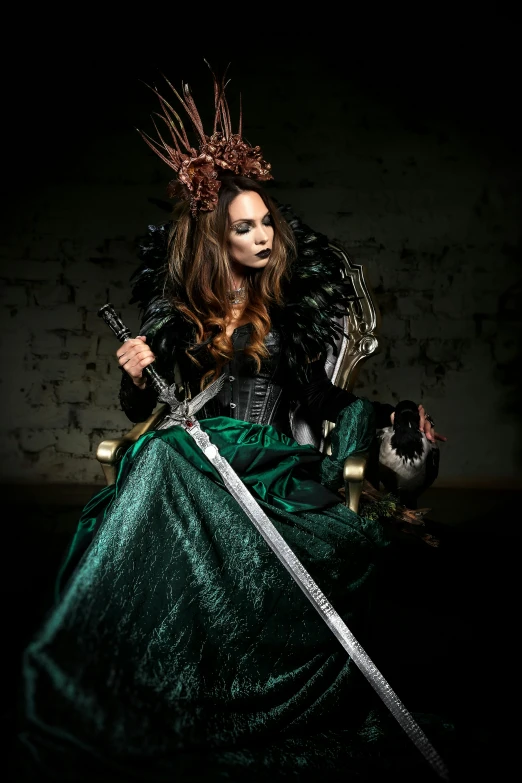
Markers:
(182, 414)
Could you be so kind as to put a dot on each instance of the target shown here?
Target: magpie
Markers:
(408, 461)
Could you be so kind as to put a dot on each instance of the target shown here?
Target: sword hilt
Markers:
(123, 333)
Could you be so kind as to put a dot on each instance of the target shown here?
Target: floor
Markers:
(463, 597)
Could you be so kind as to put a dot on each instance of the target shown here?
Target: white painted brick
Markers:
(392, 327)
(62, 369)
(49, 416)
(76, 469)
(124, 250)
(65, 316)
(81, 345)
(430, 327)
(81, 274)
(112, 369)
(73, 391)
(119, 294)
(107, 434)
(475, 354)
(73, 442)
(41, 394)
(108, 345)
(106, 394)
(13, 295)
(396, 279)
(406, 382)
(406, 352)
(90, 296)
(444, 350)
(50, 295)
(94, 324)
(365, 194)
(433, 384)
(37, 440)
(489, 327)
(422, 280)
(452, 305)
(97, 278)
(14, 346)
(484, 300)
(414, 305)
(47, 344)
(22, 269)
(506, 348)
(97, 418)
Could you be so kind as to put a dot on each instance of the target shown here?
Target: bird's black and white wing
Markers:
(432, 465)
(387, 475)
(406, 476)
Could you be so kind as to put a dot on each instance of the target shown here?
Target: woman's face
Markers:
(250, 232)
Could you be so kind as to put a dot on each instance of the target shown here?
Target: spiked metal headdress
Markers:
(198, 170)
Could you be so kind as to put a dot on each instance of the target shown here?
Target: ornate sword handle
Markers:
(123, 333)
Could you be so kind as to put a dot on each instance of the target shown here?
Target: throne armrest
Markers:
(354, 469)
(110, 451)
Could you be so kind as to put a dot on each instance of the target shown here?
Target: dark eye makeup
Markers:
(244, 228)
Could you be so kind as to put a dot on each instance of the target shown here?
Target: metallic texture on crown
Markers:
(198, 169)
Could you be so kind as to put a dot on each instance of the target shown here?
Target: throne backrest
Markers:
(357, 342)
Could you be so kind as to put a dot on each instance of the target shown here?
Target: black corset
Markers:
(247, 395)
(261, 398)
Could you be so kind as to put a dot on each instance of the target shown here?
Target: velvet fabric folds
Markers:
(180, 649)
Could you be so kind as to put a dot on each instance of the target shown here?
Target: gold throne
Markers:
(361, 323)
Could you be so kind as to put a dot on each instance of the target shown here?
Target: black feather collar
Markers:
(314, 295)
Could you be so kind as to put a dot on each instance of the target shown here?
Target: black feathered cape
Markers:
(314, 295)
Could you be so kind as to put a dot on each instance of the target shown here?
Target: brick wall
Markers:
(419, 193)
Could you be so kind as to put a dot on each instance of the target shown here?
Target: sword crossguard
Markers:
(168, 396)
(183, 411)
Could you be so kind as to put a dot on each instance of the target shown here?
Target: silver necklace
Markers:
(238, 296)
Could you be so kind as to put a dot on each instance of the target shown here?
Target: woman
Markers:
(222, 305)
(179, 647)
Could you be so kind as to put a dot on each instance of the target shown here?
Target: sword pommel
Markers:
(114, 322)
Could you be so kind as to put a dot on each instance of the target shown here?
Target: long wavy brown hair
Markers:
(199, 278)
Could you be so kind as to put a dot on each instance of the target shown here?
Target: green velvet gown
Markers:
(180, 649)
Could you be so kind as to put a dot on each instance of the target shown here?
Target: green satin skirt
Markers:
(180, 649)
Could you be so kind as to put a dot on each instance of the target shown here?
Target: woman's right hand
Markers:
(133, 356)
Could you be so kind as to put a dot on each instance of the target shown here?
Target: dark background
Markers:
(396, 135)
(358, 113)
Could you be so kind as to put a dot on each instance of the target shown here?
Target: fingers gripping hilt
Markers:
(123, 333)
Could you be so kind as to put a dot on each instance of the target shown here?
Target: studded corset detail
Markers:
(247, 395)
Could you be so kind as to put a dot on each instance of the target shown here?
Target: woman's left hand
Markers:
(428, 428)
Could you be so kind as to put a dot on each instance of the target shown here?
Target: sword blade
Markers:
(180, 415)
(317, 598)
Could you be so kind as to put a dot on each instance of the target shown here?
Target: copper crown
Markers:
(198, 170)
